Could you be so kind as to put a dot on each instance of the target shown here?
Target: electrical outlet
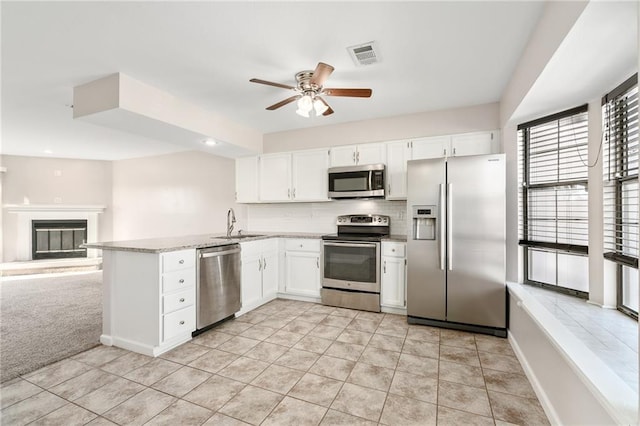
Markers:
(57, 200)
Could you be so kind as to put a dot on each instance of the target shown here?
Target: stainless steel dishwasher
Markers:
(218, 289)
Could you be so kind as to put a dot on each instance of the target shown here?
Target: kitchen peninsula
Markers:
(149, 289)
(149, 285)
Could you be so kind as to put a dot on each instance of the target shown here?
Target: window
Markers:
(553, 200)
(620, 167)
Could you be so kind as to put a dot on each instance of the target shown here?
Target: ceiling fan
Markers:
(310, 89)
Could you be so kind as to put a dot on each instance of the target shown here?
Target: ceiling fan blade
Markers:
(329, 110)
(321, 73)
(271, 83)
(283, 103)
(354, 93)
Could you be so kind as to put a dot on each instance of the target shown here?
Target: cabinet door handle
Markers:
(181, 280)
(181, 299)
(454, 151)
(354, 156)
(181, 261)
(445, 152)
(264, 263)
(318, 262)
(289, 193)
(181, 322)
(358, 157)
(294, 193)
(389, 189)
(384, 267)
(259, 264)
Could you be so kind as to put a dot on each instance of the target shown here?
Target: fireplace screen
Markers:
(54, 239)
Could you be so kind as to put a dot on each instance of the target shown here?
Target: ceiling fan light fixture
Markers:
(320, 107)
(302, 113)
(305, 105)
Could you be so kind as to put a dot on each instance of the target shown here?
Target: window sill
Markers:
(576, 331)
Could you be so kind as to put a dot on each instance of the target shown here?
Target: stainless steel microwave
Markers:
(366, 181)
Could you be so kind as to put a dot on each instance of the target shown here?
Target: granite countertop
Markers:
(398, 238)
(160, 245)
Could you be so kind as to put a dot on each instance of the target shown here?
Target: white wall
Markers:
(38, 180)
(171, 195)
(431, 123)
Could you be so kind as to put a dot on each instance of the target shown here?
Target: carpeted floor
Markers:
(46, 319)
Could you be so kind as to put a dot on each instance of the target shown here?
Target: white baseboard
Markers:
(393, 310)
(300, 298)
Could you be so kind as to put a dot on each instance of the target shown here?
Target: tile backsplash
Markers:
(321, 217)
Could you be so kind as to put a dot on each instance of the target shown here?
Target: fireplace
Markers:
(57, 239)
(23, 215)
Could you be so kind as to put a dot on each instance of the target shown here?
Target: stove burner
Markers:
(371, 227)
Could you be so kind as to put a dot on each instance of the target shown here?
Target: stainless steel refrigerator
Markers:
(456, 243)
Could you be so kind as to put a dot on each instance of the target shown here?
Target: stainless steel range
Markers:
(350, 265)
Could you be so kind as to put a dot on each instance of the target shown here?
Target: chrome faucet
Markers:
(231, 219)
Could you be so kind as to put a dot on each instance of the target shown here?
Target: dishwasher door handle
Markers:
(219, 253)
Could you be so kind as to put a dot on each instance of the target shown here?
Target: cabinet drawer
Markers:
(303, 244)
(178, 280)
(174, 301)
(179, 322)
(175, 260)
(393, 249)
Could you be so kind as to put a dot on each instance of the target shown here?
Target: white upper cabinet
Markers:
(247, 180)
(434, 147)
(343, 156)
(350, 155)
(456, 145)
(275, 177)
(302, 175)
(398, 152)
(475, 143)
(371, 153)
(310, 179)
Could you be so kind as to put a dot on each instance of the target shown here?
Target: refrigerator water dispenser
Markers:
(424, 222)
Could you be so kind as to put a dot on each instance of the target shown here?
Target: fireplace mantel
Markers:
(28, 212)
(18, 208)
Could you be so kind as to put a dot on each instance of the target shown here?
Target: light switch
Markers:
(57, 200)
(57, 173)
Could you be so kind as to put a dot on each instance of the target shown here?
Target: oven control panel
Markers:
(363, 220)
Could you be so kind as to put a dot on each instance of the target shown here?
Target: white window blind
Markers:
(554, 182)
(620, 167)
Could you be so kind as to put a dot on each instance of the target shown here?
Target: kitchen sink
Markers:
(238, 237)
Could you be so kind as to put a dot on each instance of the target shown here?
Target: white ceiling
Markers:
(435, 55)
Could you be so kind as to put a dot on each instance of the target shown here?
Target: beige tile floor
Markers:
(287, 363)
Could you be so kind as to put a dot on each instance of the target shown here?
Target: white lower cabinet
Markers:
(149, 300)
(302, 265)
(394, 275)
(259, 272)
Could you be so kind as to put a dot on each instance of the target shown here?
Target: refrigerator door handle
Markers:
(449, 227)
(442, 230)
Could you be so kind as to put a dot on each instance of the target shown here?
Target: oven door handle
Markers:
(350, 244)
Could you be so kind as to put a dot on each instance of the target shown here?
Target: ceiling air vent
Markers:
(365, 54)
